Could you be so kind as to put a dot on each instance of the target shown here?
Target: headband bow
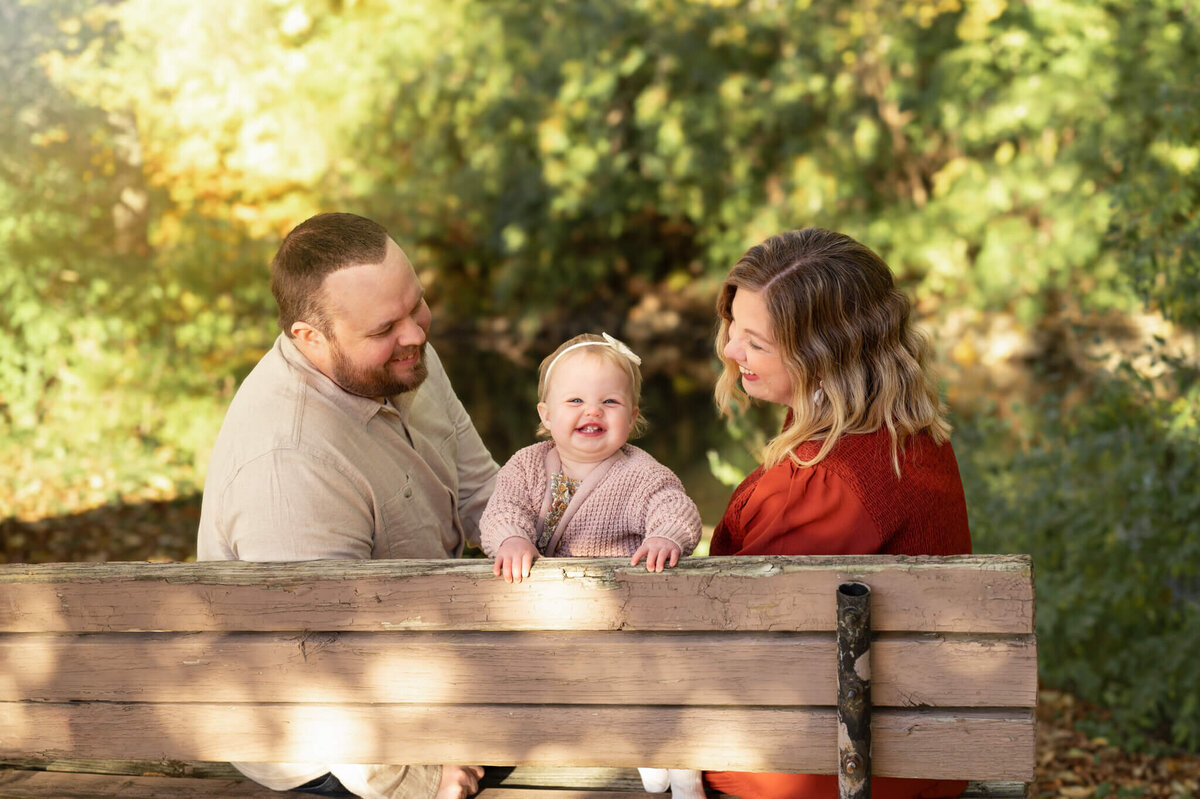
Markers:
(609, 341)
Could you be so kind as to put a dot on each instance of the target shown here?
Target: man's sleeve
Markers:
(476, 472)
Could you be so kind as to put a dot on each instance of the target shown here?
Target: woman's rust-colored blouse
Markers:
(851, 503)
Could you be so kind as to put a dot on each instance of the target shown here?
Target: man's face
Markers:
(379, 320)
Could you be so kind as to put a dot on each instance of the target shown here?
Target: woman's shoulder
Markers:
(860, 450)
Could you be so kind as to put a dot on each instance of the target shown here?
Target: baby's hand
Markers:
(659, 553)
(514, 556)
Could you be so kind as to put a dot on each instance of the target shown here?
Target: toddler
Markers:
(587, 492)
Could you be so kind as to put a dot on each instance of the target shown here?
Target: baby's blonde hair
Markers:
(604, 350)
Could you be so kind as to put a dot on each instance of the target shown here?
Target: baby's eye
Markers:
(574, 401)
(612, 402)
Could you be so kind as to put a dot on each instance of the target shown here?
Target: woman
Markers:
(812, 319)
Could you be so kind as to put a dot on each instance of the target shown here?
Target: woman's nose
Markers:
(732, 350)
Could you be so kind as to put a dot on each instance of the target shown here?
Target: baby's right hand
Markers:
(514, 557)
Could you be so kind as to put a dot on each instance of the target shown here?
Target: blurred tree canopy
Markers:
(552, 164)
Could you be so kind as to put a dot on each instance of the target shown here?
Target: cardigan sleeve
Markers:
(513, 507)
(806, 511)
(670, 512)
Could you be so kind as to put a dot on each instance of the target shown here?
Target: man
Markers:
(346, 441)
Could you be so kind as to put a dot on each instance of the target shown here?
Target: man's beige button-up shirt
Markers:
(303, 470)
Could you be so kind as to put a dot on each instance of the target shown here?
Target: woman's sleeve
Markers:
(806, 511)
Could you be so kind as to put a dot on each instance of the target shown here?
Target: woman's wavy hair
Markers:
(841, 326)
(605, 352)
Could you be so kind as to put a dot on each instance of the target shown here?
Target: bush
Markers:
(1105, 500)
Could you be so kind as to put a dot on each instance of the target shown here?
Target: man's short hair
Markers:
(313, 250)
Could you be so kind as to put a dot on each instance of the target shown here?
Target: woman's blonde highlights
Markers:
(842, 326)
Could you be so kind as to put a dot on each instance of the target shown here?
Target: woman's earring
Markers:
(819, 394)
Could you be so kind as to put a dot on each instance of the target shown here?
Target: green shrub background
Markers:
(1029, 169)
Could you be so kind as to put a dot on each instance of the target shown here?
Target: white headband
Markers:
(609, 341)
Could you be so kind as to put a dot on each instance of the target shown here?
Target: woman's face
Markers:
(752, 347)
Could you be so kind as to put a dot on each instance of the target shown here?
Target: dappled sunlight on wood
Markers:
(427, 661)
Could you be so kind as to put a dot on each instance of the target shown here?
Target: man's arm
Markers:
(476, 470)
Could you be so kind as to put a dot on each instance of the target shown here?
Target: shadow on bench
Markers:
(722, 663)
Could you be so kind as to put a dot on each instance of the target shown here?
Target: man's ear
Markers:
(306, 335)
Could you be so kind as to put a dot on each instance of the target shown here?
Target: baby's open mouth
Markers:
(590, 428)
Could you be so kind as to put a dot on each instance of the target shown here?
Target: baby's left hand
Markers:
(659, 553)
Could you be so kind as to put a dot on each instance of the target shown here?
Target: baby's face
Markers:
(588, 408)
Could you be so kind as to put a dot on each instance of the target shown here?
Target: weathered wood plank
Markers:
(551, 668)
(998, 745)
(51, 785)
(48, 785)
(992, 594)
(535, 781)
(201, 769)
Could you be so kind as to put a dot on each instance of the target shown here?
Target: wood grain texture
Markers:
(723, 663)
(531, 783)
(985, 745)
(555, 668)
(49, 785)
(984, 594)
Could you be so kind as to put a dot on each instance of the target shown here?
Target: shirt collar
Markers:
(363, 409)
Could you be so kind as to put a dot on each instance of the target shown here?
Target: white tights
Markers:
(684, 783)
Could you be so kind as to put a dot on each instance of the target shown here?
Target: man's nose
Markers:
(410, 334)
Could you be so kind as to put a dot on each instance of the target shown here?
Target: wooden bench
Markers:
(137, 679)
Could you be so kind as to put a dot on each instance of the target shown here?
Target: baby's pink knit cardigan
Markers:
(626, 498)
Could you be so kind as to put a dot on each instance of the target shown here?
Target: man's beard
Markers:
(377, 381)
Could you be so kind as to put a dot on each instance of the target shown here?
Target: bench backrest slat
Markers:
(905, 743)
(981, 594)
(556, 668)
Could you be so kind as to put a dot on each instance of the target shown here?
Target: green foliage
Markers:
(554, 164)
(1155, 230)
(1104, 498)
